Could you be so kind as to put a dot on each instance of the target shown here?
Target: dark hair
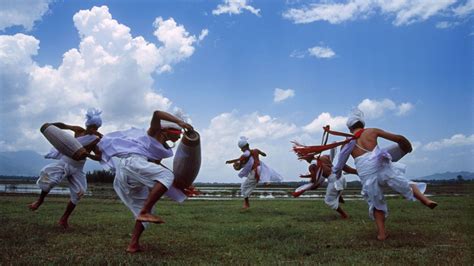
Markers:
(358, 124)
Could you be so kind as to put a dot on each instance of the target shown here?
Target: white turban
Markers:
(167, 124)
(356, 116)
(93, 117)
(242, 142)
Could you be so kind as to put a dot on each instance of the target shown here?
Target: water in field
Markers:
(33, 189)
(206, 193)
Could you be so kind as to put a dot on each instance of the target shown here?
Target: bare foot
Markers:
(431, 204)
(34, 206)
(150, 218)
(134, 249)
(382, 237)
(297, 194)
(344, 216)
(63, 223)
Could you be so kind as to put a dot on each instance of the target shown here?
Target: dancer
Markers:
(140, 178)
(375, 169)
(52, 174)
(251, 167)
(320, 170)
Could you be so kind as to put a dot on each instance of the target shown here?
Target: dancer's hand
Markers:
(186, 126)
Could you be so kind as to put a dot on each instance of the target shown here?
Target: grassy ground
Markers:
(218, 232)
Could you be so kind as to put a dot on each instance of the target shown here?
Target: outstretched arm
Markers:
(242, 158)
(232, 161)
(97, 156)
(349, 170)
(75, 129)
(343, 157)
(403, 142)
(261, 153)
(155, 124)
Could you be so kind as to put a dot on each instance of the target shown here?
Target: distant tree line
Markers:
(100, 176)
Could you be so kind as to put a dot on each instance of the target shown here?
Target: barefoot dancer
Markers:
(376, 170)
(318, 172)
(52, 174)
(251, 167)
(140, 178)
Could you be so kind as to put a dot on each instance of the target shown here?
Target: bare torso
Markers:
(366, 142)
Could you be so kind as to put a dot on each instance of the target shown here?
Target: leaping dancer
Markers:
(140, 178)
(251, 167)
(66, 167)
(374, 167)
(318, 171)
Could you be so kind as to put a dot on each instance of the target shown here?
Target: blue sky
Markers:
(407, 64)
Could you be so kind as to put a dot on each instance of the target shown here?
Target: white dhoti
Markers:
(334, 191)
(52, 174)
(267, 174)
(248, 185)
(376, 170)
(135, 176)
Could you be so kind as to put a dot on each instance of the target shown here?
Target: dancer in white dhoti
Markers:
(320, 170)
(140, 178)
(52, 174)
(253, 169)
(376, 169)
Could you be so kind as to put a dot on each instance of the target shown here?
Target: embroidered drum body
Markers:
(187, 160)
(395, 152)
(63, 142)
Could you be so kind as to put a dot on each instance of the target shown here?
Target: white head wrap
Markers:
(356, 116)
(93, 117)
(242, 142)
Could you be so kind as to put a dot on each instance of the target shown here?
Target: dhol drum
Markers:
(64, 142)
(187, 160)
(395, 151)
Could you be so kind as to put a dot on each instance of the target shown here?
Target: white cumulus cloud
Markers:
(457, 140)
(235, 7)
(403, 12)
(22, 13)
(374, 109)
(321, 52)
(464, 10)
(280, 95)
(220, 138)
(109, 69)
(333, 13)
(324, 119)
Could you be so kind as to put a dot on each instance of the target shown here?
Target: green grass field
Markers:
(218, 232)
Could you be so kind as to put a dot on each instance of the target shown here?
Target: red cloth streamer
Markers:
(307, 152)
(174, 131)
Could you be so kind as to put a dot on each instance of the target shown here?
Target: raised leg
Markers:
(35, 205)
(155, 194)
(422, 198)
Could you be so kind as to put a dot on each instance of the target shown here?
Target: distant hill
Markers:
(448, 175)
(29, 163)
